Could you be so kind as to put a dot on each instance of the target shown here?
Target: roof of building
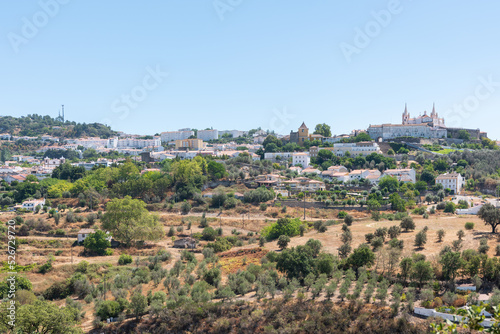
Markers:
(86, 231)
(303, 126)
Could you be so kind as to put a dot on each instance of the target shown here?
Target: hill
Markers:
(37, 125)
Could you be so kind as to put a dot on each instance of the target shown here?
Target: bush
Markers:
(220, 245)
(441, 206)
(124, 259)
(469, 226)
(348, 220)
(284, 226)
(108, 309)
(483, 246)
(185, 207)
(209, 234)
(283, 241)
(407, 224)
(342, 214)
(450, 207)
(60, 232)
(263, 207)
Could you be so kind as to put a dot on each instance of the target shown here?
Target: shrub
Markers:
(283, 241)
(60, 232)
(407, 224)
(369, 237)
(108, 308)
(440, 235)
(450, 207)
(171, 231)
(124, 259)
(220, 245)
(209, 234)
(185, 207)
(284, 226)
(497, 250)
(469, 226)
(483, 246)
(348, 220)
(342, 214)
(263, 207)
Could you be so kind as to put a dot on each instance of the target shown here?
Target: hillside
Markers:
(37, 125)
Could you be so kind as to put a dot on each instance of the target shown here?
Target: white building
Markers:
(278, 156)
(402, 175)
(176, 135)
(207, 135)
(301, 158)
(355, 149)
(47, 162)
(233, 133)
(31, 205)
(391, 131)
(453, 181)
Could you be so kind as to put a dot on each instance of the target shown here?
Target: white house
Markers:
(403, 175)
(83, 233)
(453, 181)
(301, 158)
(32, 204)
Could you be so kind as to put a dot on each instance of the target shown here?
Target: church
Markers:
(431, 120)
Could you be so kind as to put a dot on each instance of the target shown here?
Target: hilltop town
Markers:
(215, 230)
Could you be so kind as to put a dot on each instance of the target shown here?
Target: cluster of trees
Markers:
(37, 125)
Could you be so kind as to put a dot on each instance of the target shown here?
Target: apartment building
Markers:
(207, 135)
(192, 144)
(301, 158)
(176, 135)
(403, 175)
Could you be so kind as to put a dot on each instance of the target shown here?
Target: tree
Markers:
(323, 129)
(440, 235)
(422, 272)
(348, 219)
(97, 243)
(450, 207)
(283, 241)
(420, 239)
(394, 231)
(490, 215)
(373, 205)
(406, 267)
(407, 224)
(362, 256)
(138, 304)
(45, 317)
(216, 170)
(460, 235)
(129, 221)
(389, 182)
(451, 262)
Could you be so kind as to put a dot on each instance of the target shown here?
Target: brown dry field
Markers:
(253, 221)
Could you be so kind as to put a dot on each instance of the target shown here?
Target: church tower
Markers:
(434, 114)
(303, 133)
(406, 115)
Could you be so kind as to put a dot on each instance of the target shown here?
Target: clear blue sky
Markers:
(244, 65)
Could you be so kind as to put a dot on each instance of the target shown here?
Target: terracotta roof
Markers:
(303, 126)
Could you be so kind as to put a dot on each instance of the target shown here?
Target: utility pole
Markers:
(304, 205)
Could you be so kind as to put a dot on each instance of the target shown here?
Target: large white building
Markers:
(233, 133)
(207, 135)
(301, 158)
(452, 181)
(176, 135)
(355, 149)
(423, 126)
(432, 119)
(391, 131)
